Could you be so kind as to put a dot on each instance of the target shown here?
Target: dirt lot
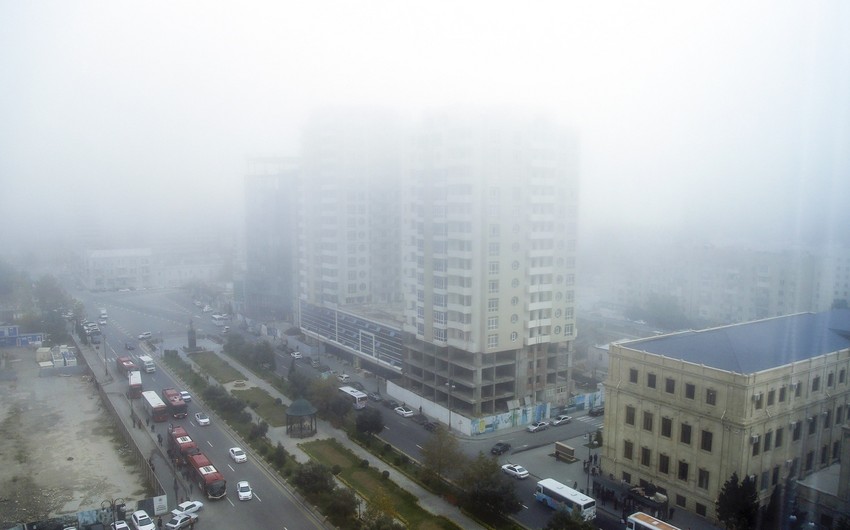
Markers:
(59, 451)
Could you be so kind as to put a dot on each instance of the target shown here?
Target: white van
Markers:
(147, 363)
(344, 378)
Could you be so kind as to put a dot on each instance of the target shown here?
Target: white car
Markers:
(187, 507)
(295, 355)
(185, 396)
(119, 525)
(102, 322)
(403, 411)
(202, 418)
(515, 471)
(142, 521)
(562, 420)
(244, 490)
(538, 426)
(237, 454)
(183, 520)
(145, 335)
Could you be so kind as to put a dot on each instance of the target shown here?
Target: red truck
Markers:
(207, 477)
(126, 365)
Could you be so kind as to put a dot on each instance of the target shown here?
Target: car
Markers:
(515, 471)
(315, 363)
(102, 322)
(295, 354)
(187, 507)
(244, 490)
(374, 396)
(185, 396)
(119, 525)
(207, 309)
(344, 378)
(145, 335)
(142, 521)
(198, 303)
(430, 426)
(358, 385)
(500, 448)
(225, 329)
(538, 426)
(391, 403)
(237, 454)
(404, 411)
(183, 520)
(596, 411)
(563, 419)
(129, 346)
(202, 418)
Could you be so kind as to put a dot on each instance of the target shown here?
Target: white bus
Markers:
(357, 398)
(644, 521)
(562, 497)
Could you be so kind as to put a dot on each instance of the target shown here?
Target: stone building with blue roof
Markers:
(764, 399)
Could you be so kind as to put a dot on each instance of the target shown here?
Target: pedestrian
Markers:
(575, 485)
(147, 421)
(192, 525)
(191, 487)
(159, 439)
(671, 513)
(159, 522)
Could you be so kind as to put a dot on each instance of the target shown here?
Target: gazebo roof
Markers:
(301, 407)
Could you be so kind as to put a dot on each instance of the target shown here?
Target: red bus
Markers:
(180, 442)
(210, 481)
(176, 406)
(136, 388)
(154, 406)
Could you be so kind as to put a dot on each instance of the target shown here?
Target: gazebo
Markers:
(301, 419)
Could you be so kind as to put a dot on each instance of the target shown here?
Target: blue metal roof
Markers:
(756, 346)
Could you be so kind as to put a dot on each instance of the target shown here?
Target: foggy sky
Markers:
(722, 119)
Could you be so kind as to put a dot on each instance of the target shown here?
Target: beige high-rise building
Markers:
(764, 399)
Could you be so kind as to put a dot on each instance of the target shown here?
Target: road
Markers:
(166, 316)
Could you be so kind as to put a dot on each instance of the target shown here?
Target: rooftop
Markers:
(756, 346)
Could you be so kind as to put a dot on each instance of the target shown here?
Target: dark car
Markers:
(430, 426)
(129, 346)
(596, 411)
(358, 385)
(374, 396)
(390, 403)
(500, 448)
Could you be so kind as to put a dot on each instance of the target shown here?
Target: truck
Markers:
(176, 406)
(181, 443)
(209, 479)
(147, 363)
(126, 365)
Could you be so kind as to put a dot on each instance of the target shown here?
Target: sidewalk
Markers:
(427, 500)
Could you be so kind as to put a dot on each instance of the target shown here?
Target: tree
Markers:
(313, 479)
(380, 513)
(369, 421)
(485, 489)
(341, 506)
(564, 520)
(737, 505)
(441, 452)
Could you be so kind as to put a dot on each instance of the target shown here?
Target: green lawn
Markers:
(274, 414)
(216, 367)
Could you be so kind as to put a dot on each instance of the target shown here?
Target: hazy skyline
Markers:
(725, 120)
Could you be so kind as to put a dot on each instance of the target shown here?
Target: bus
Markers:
(562, 497)
(136, 388)
(154, 406)
(644, 521)
(176, 406)
(357, 398)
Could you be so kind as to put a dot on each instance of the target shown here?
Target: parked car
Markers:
(515, 471)
(187, 507)
(184, 520)
(344, 378)
(374, 396)
(142, 521)
(119, 525)
(202, 418)
(538, 426)
(129, 346)
(145, 335)
(430, 426)
(500, 448)
(358, 385)
(237, 454)
(404, 411)
(244, 490)
(295, 354)
(563, 419)
(596, 411)
(185, 396)
(391, 403)
(315, 363)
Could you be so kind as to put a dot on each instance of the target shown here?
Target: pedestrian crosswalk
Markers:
(595, 422)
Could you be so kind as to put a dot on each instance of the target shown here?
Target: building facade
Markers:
(764, 399)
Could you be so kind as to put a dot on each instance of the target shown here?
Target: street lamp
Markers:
(450, 386)
(112, 504)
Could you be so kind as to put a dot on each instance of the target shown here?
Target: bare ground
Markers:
(59, 450)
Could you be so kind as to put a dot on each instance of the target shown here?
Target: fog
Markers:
(715, 120)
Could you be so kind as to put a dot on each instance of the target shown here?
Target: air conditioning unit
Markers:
(754, 439)
(757, 397)
(794, 385)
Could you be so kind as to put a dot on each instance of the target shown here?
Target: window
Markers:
(645, 456)
(764, 479)
(493, 305)
(830, 379)
(706, 441)
(758, 399)
(681, 500)
(690, 390)
(702, 479)
(492, 341)
(768, 438)
(778, 441)
(824, 454)
(842, 375)
(627, 477)
(493, 286)
(630, 415)
(628, 448)
(667, 427)
(492, 322)
(816, 383)
(633, 375)
(647, 421)
(663, 464)
(810, 460)
(775, 478)
(756, 445)
(701, 509)
(813, 424)
(839, 414)
(782, 394)
(493, 249)
(827, 419)
(796, 430)
(650, 380)
(771, 397)
(493, 267)
(683, 470)
(711, 396)
(670, 385)
(685, 434)
(836, 450)
(798, 389)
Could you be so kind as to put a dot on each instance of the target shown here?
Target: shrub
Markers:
(336, 470)
(385, 474)
(386, 449)
(364, 463)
